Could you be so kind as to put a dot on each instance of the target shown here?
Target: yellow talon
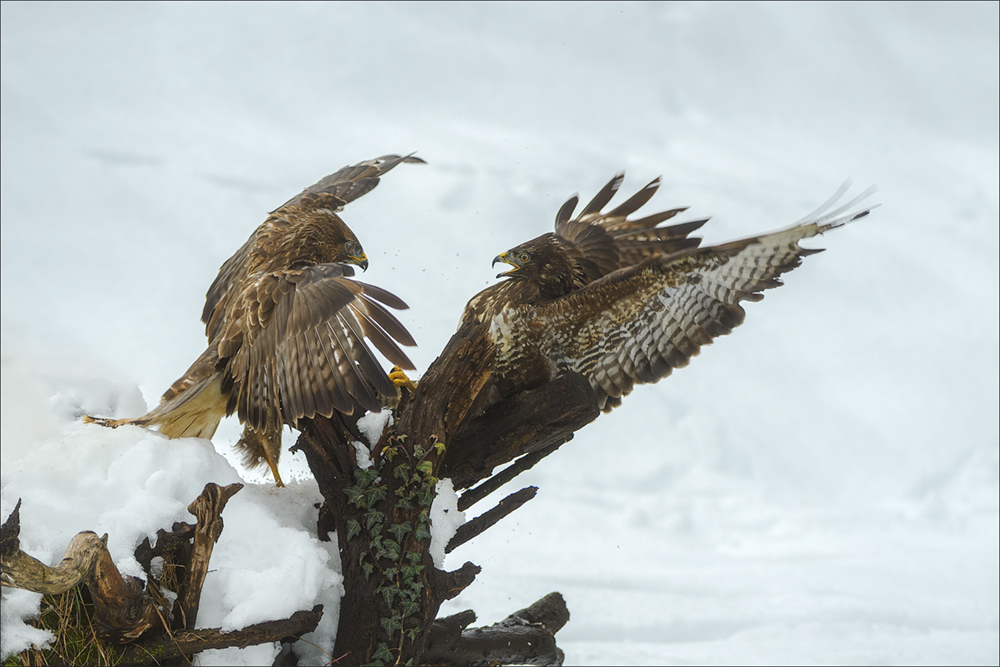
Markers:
(103, 421)
(399, 378)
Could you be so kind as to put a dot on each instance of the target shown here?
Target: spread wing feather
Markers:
(638, 324)
(623, 242)
(332, 192)
(353, 181)
(313, 358)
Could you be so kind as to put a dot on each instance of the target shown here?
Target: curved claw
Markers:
(103, 421)
(400, 379)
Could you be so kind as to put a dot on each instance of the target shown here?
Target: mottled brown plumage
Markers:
(633, 325)
(582, 250)
(287, 325)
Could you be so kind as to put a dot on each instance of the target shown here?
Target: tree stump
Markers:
(381, 516)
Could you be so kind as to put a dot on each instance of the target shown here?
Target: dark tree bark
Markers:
(182, 646)
(526, 637)
(381, 515)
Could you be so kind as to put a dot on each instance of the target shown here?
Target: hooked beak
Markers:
(502, 257)
(361, 261)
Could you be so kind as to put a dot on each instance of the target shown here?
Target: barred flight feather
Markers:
(637, 324)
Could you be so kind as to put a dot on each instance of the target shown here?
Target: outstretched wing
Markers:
(332, 192)
(297, 346)
(635, 240)
(353, 181)
(638, 324)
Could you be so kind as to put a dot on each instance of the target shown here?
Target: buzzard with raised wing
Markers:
(287, 326)
(631, 321)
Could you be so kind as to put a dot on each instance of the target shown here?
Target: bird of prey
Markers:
(287, 324)
(568, 306)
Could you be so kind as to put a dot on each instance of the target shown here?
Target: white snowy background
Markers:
(819, 487)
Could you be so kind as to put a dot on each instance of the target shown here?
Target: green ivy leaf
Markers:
(402, 471)
(389, 593)
(400, 530)
(410, 608)
(426, 495)
(368, 568)
(365, 477)
(374, 493)
(373, 517)
(404, 504)
(356, 496)
(421, 533)
(382, 655)
(426, 467)
(353, 529)
(391, 549)
(440, 447)
(413, 557)
(418, 451)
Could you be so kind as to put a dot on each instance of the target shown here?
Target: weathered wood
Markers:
(448, 585)
(392, 590)
(207, 509)
(531, 421)
(452, 390)
(526, 462)
(489, 518)
(183, 645)
(526, 637)
(122, 609)
(76, 567)
(10, 532)
(175, 545)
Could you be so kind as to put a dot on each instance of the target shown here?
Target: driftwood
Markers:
(526, 637)
(182, 645)
(124, 611)
(392, 589)
(208, 509)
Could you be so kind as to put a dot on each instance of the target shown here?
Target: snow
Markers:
(821, 486)
(445, 519)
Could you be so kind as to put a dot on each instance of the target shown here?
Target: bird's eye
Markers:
(351, 248)
(524, 257)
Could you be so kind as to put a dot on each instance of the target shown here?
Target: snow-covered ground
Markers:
(819, 487)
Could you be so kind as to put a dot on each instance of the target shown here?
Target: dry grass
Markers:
(69, 616)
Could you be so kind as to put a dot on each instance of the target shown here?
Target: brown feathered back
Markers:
(637, 324)
(287, 325)
(583, 249)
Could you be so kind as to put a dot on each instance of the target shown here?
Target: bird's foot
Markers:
(103, 421)
(277, 477)
(399, 378)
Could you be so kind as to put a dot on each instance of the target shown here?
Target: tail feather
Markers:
(194, 413)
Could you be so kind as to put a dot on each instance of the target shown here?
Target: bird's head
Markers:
(520, 258)
(355, 254)
(542, 261)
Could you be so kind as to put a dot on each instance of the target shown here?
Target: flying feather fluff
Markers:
(636, 323)
(287, 326)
